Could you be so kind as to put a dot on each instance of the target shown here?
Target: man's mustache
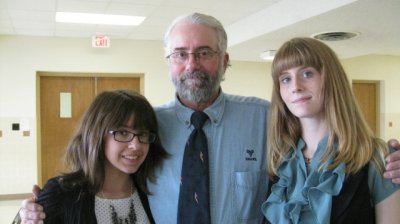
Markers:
(195, 74)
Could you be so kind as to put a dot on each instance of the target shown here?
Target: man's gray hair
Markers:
(198, 18)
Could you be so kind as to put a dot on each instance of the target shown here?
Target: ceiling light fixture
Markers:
(89, 18)
(268, 55)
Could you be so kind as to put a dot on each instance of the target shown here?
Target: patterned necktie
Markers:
(194, 198)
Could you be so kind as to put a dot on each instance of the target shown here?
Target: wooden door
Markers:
(109, 83)
(367, 95)
(55, 132)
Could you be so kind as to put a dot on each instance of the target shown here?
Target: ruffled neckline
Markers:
(296, 197)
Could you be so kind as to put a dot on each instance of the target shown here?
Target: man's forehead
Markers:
(188, 36)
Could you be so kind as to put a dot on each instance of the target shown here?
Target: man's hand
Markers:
(32, 213)
(393, 162)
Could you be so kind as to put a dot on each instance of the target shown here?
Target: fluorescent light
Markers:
(88, 18)
(268, 55)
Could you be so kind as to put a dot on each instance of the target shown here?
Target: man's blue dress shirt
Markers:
(236, 134)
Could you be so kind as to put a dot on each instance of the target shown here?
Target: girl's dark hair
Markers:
(110, 110)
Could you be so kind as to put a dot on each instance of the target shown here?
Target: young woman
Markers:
(326, 162)
(114, 152)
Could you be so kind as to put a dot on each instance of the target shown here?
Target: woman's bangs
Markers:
(288, 59)
(291, 57)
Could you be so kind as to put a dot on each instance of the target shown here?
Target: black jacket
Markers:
(74, 205)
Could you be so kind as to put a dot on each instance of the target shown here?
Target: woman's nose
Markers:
(134, 143)
(296, 85)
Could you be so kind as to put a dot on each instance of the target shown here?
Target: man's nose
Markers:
(192, 62)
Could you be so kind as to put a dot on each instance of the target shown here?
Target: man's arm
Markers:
(387, 211)
(393, 162)
(31, 212)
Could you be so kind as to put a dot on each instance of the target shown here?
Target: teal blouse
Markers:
(299, 197)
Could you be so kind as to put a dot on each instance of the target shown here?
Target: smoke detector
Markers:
(335, 35)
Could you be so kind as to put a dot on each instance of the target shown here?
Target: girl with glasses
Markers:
(114, 152)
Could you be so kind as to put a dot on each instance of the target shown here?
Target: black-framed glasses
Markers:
(181, 57)
(145, 137)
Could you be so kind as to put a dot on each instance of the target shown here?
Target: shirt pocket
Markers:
(249, 192)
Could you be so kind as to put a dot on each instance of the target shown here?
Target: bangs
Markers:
(122, 108)
(135, 114)
(294, 54)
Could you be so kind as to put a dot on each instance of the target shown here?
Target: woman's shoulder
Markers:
(51, 197)
(62, 183)
(380, 187)
(52, 185)
(58, 188)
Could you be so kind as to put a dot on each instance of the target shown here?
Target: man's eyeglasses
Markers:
(145, 137)
(181, 57)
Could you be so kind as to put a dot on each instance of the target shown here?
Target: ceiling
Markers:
(253, 26)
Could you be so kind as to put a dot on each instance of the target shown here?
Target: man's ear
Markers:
(226, 61)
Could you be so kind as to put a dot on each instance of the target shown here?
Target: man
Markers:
(195, 48)
(236, 131)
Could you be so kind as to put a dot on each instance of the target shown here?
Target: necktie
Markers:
(194, 198)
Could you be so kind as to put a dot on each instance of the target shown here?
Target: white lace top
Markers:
(103, 210)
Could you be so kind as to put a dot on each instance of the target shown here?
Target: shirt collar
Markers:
(215, 111)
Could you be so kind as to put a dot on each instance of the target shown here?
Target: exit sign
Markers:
(100, 41)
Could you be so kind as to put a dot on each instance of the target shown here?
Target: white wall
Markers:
(248, 79)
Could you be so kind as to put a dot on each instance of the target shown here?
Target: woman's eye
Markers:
(285, 80)
(307, 74)
(124, 132)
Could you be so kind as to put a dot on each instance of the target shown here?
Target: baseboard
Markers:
(9, 197)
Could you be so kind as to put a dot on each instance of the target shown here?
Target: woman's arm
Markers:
(388, 210)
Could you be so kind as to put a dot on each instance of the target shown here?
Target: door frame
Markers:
(377, 84)
(39, 74)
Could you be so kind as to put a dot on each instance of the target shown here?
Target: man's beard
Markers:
(202, 88)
